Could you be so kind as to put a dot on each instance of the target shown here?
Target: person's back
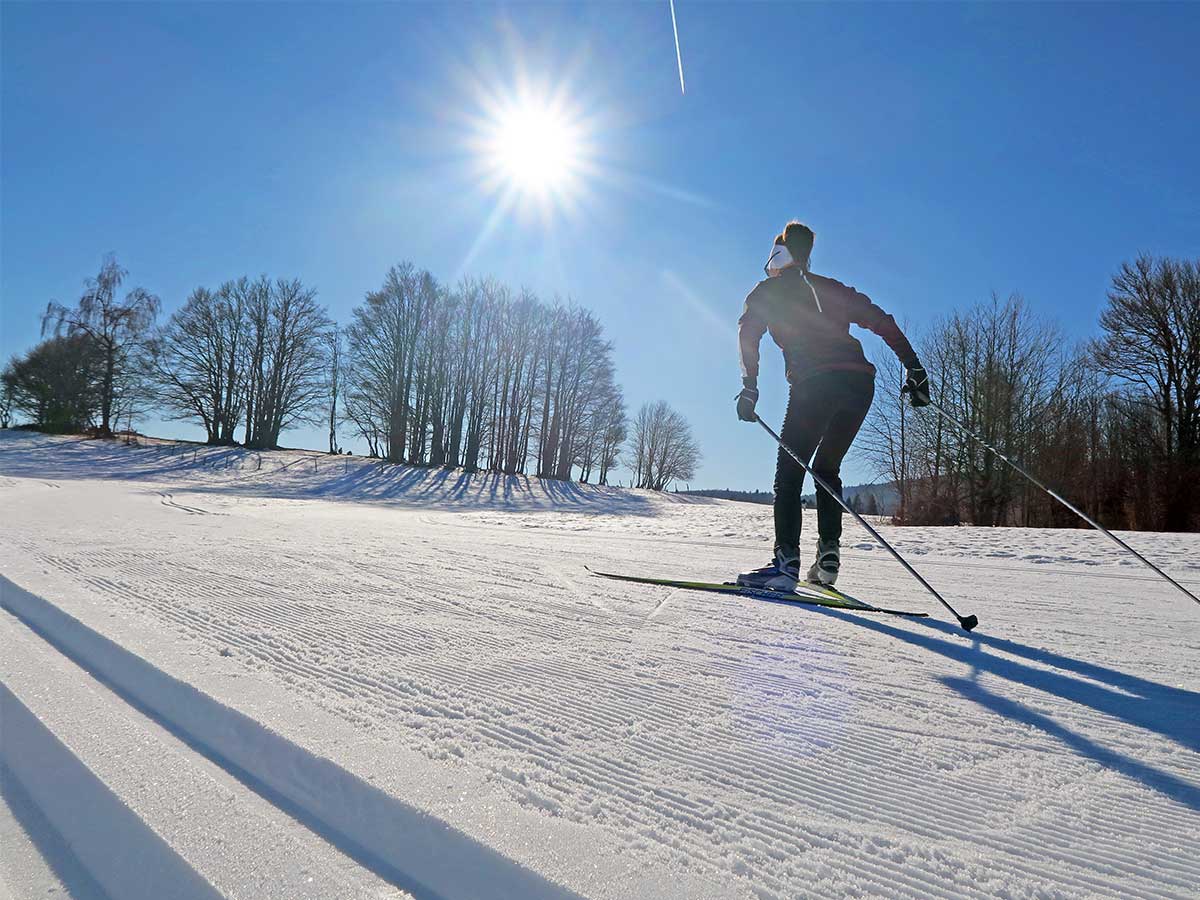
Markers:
(809, 318)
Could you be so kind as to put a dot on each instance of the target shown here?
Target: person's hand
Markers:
(746, 401)
(917, 386)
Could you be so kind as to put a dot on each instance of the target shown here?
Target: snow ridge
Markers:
(407, 846)
(127, 859)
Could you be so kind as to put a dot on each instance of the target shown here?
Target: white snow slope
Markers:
(292, 675)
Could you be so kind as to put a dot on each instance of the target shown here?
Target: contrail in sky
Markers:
(678, 56)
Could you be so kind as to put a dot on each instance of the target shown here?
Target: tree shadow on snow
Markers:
(312, 476)
(1171, 712)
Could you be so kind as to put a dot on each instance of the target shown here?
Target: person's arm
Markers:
(866, 314)
(752, 325)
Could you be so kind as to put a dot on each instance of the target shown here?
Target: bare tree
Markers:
(576, 381)
(6, 402)
(521, 342)
(603, 430)
(118, 328)
(886, 432)
(482, 335)
(1151, 345)
(380, 343)
(615, 430)
(287, 340)
(662, 447)
(335, 384)
(1000, 370)
(199, 363)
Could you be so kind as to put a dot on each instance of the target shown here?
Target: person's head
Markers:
(793, 247)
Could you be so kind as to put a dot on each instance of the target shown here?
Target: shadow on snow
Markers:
(1171, 712)
(312, 476)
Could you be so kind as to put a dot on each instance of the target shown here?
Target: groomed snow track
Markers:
(283, 675)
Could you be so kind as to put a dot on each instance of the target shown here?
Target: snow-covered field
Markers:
(288, 675)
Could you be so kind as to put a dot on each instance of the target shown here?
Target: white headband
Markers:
(779, 259)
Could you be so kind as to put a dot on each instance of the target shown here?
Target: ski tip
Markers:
(968, 622)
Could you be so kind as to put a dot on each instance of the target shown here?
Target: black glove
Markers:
(917, 386)
(746, 400)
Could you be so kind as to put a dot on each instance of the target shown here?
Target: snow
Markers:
(413, 669)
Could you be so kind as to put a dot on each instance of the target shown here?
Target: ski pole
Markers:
(1072, 507)
(967, 622)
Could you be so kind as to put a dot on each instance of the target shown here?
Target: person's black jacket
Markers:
(809, 317)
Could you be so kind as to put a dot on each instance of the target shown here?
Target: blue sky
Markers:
(941, 152)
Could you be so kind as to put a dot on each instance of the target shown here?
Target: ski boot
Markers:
(824, 571)
(781, 574)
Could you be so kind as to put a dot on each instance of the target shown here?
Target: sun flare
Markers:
(535, 148)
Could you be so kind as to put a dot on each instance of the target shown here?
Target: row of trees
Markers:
(867, 507)
(1113, 425)
(482, 378)
(476, 376)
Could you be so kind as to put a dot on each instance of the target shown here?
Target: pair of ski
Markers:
(806, 593)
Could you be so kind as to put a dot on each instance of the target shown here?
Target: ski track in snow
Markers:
(757, 749)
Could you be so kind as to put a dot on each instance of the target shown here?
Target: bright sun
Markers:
(536, 148)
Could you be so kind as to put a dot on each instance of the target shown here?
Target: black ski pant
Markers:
(824, 414)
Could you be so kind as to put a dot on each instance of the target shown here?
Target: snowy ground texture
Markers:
(289, 675)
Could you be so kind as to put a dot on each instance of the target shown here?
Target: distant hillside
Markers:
(887, 498)
(741, 496)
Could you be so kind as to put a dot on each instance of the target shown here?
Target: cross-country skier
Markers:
(832, 384)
